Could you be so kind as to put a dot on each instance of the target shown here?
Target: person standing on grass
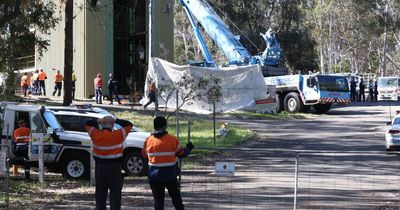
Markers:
(108, 153)
(162, 150)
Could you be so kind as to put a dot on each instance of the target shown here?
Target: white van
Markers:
(388, 88)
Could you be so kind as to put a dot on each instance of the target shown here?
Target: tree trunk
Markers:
(68, 52)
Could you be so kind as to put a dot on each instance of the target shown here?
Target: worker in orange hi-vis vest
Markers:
(162, 150)
(108, 152)
(22, 135)
(25, 84)
(42, 76)
(98, 85)
(58, 79)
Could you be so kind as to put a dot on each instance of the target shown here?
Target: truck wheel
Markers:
(322, 108)
(135, 164)
(293, 103)
(76, 167)
(278, 103)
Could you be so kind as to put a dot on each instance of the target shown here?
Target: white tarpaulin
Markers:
(240, 86)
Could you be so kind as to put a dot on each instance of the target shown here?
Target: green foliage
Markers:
(329, 35)
(22, 26)
(278, 116)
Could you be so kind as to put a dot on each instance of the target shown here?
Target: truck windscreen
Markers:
(387, 82)
(332, 83)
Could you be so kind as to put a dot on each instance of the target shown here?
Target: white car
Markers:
(72, 119)
(392, 135)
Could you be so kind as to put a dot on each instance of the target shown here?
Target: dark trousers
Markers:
(73, 89)
(21, 151)
(99, 95)
(108, 176)
(361, 97)
(25, 90)
(353, 95)
(42, 87)
(158, 190)
(112, 94)
(36, 87)
(371, 94)
(57, 87)
(152, 99)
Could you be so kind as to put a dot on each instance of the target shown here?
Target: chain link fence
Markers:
(265, 179)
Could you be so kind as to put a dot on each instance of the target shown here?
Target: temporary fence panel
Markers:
(4, 177)
(268, 180)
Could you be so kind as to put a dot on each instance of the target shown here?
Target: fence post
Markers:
(296, 180)
(5, 156)
(41, 161)
(92, 167)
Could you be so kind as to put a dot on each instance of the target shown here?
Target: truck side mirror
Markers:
(389, 123)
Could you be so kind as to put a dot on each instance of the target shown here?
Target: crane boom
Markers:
(217, 30)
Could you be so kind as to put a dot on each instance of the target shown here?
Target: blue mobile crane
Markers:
(235, 52)
(295, 93)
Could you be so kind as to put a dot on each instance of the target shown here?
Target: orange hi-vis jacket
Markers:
(108, 144)
(162, 151)
(98, 82)
(58, 78)
(22, 135)
(24, 80)
(42, 76)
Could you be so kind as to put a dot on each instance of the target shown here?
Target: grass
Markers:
(201, 130)
(278, 116)
(19, 186)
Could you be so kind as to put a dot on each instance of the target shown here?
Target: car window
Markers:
(73, 123)
(396, 121)
(37, 125)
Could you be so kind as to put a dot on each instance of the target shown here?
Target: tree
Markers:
(21, 22)
(189, 90)
(68, 52)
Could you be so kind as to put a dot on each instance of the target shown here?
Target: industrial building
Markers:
(115, 37)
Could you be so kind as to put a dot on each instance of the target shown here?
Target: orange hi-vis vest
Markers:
(98, 82)
(24, 80)
(162, 151)
(108, 144)
(22, 135)
(42, 76)
(58, 78)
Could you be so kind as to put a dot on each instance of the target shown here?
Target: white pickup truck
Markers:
(64, 151)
